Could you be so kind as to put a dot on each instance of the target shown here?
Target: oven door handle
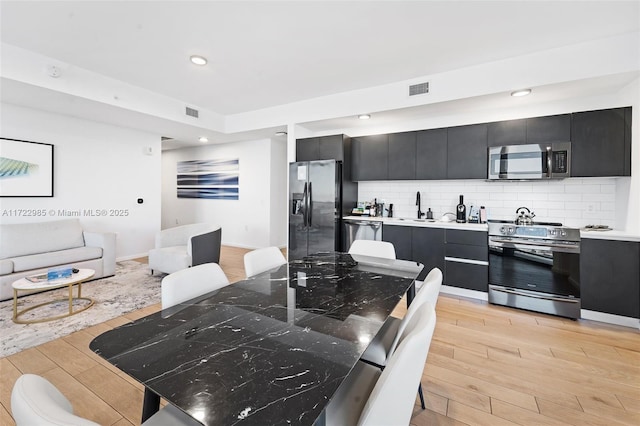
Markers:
(536, 296)
(519, 244)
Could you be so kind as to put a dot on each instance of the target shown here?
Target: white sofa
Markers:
(32, 248)
(184, 246)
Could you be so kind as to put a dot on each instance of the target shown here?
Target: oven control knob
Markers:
(564, 233)
(503, 229)
(552, 232)
(512, 230)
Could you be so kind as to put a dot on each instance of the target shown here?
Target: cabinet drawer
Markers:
(474, 238)
(466, 275)
(467, 251)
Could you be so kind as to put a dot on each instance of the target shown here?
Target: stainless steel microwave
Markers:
(532, 161)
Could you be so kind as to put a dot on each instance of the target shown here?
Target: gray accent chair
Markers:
(185, 246)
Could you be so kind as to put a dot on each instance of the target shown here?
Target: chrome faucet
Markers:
(420, 212)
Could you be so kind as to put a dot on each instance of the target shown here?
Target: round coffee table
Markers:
(25, 285)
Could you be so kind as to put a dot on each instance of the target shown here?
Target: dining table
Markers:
(271, 349)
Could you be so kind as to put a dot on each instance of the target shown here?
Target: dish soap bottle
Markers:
(461, 211)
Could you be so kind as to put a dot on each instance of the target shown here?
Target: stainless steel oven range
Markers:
(535, 267)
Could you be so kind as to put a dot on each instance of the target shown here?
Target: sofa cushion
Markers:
(54, 258)
(20, 239)
(6, 266)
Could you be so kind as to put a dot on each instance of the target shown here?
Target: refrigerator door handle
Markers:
(306, 206)
(310, 204)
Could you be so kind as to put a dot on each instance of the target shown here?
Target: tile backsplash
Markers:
(574, 202)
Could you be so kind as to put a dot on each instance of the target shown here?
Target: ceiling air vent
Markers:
(192, 112)
(419, 89)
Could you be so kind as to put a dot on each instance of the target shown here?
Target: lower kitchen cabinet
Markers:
(610, 276)
(400, 237)
(424, 245)
(428, 248)
(461, 255)
(467, 256)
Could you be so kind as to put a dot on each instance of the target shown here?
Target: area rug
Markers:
(131, 288)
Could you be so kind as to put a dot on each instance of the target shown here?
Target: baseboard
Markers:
(472, 294)
(132, 256)
(610, 318)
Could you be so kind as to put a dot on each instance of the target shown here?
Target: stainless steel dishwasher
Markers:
(355, 229)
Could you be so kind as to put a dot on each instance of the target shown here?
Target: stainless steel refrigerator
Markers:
(315, 207)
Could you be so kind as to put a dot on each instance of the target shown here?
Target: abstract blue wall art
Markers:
(26, 168)
(212, 179)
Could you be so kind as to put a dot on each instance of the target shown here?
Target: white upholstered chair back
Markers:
(427, 294)
(373, 248)
(35, 401)
(192, 282)
(262, 260)
(392, 399)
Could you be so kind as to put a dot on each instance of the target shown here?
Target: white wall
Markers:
(258, 218)
(96, 167)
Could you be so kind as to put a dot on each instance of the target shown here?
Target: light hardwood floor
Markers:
(487, 365)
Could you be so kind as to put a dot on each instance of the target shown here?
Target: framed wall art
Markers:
(26, 168)
(211, 179)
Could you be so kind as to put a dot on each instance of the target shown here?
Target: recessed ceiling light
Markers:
(281, 133)
(364, 116)
(198, 60)
(523, 92)
(203, 139)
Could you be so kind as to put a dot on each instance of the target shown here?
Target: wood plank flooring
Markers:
(487, 365)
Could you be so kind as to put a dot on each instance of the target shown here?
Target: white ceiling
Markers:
(269, 53)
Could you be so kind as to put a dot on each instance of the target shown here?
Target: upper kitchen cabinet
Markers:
(431, 154)
(321, 148)
(552, 128)
(601, 143)
(402, 156)
(467, 152)
(370, 157)
(511, 132)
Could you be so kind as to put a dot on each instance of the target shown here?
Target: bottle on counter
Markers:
(429, 214)
(461, 211)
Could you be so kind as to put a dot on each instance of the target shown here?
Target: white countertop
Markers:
(610, 235)
(602, 235)
(422, 222)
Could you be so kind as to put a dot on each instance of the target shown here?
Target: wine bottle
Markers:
(461, 211)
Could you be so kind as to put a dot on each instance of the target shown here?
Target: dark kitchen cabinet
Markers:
(307, 149)
(418, 244)
(400, 237)
(321, 148)
(511, 132)
(467, 152)
(427, 246)
(466, 259)
(431, 154)
(610, 276)
(370, 157)
(552, 128)
(601, 143)
(402, 156)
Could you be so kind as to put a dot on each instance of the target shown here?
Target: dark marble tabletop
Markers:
(268, 350)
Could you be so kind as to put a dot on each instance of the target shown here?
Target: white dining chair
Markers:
(36, 401)
(373, 248)
(192, 282)
(385, 342)
(370, 397)
(262, 260)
